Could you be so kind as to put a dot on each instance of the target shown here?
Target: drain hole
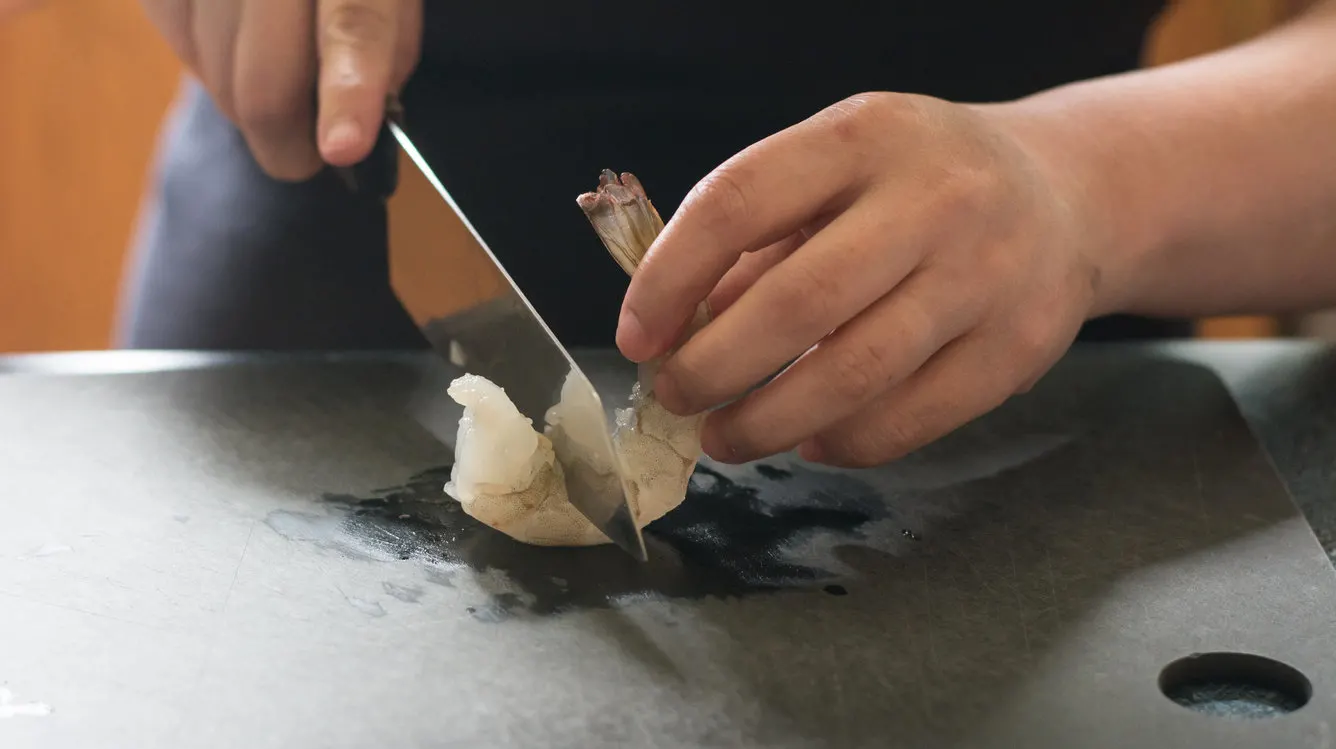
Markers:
(1235, 685)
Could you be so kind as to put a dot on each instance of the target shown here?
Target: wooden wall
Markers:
(84, 85)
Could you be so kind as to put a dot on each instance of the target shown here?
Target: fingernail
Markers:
(669, 395)
(811, 452)
(631, 337)
(342, 135)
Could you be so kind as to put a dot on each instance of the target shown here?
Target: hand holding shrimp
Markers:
(922, 261)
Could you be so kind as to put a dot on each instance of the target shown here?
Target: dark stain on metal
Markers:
(501, 607)
(836, 590)
(773, 473)
(727, 539)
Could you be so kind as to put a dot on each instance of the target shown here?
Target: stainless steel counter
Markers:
(218, 551)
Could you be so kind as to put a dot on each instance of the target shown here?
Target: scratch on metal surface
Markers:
(917, 658)
(365, 605)
(1053, 585)
(974, 569)
(932, 625)
(405, 593)
(1016, 592)
(11, 709)
(647, 737)
(839, 702)
(47, 550)
(77, 610)
(1201, 493)
(237, 571)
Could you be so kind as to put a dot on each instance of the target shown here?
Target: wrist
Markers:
(1113, 221)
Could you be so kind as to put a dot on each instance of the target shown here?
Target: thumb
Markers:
(357, 42)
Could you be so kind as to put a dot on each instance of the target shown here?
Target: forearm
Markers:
(1212, 182)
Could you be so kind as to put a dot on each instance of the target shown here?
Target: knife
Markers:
(438, 264)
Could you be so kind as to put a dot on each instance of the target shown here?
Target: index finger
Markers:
(765, 193)
(356, 40)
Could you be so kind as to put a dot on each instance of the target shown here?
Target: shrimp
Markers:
(506, 474)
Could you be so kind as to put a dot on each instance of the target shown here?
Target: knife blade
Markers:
(471, 311)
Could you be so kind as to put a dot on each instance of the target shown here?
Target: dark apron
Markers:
(532, 99)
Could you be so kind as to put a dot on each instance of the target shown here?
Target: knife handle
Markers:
(378, 174)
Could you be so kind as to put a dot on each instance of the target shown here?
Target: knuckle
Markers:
(859, 117)
(721, 198)
(919, 325)
(967, 189)
(804, 295)
(997, 263)
(858, 372)
(1033, 337)
(357, 24)
(901, 433)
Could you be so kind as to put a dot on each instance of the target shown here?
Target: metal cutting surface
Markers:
(255, 551)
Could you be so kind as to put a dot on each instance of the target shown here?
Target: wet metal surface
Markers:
(724, 541)
(258, 552)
